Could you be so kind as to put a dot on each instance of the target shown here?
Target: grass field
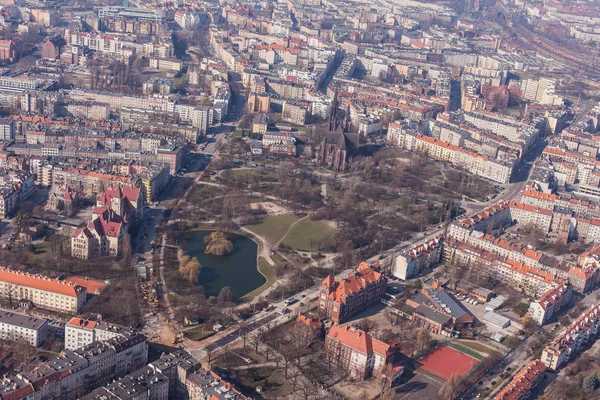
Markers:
(475, 346)
(267, 270)
(466, 350)
(305, 232)
(250, 173)
(273, 228)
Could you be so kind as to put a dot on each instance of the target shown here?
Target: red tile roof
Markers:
(523, 381)
(358, 340)
(353, 283)
(39, 282)
(82, 323)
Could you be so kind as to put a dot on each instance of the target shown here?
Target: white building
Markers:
(7, 129)
(18, 327)
(81, 332)
(550, 303)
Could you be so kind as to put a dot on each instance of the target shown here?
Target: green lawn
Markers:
(267, 270)
(476, 346)
(273, 228)
(306, 232)
(466, 350)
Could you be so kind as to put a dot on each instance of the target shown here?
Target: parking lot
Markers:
(478, 311)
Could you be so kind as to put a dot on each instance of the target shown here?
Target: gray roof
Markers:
(442, 300)
(212, 386)
(21, 320)
(180, 358)
(496, 319)
(432, 315)
(446, 301)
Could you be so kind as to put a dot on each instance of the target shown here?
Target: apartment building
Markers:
(7, 129)
(531, 281)
(540, 218)
(15, 187)
(357, 352)
(524, 382)
(19, 327)
(74, 373)
(493, 169)
(41, 291)
(160, 104)
(358, 291)
(143, 384)
(88, 110)
(411, 262)
(199, 116)
(270, 138)
(543, 309)
(177, 367)
(81, 332)
(209, 385)
(491, 217)
(568, 343)
(260, 124)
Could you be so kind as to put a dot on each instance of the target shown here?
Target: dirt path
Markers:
(289, 229)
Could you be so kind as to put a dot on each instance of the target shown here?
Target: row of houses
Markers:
(570, 342)
(493, 169)
(533, 282)
(524, 382)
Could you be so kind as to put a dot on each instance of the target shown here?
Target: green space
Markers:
(251, 173)
(198, 333)
(465, 350)
(308, 235)
(273, 228)
(268, 271)
(476, 346)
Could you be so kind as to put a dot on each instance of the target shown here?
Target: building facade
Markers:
(19, 327)
(42, 291)
(358, 291)
(357, 352)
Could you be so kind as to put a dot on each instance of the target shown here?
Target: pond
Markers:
(237, 269)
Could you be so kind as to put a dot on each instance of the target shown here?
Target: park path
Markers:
(289, 230)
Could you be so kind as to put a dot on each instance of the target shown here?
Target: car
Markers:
(487, 388)
(493, 382)
(508, 369)
(480, 383)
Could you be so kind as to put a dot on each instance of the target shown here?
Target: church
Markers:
(339, 145)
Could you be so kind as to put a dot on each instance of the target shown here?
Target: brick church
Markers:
(339, 144)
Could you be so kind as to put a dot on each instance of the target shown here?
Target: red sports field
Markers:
(444, 361)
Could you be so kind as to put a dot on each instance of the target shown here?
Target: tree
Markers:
(367, 325)
(226, 295)
(392, 317)
(590, 382)
(308, 390)
(423, 340)
(190, 268)
(450, 390)
(529, 324)
(218, 244)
